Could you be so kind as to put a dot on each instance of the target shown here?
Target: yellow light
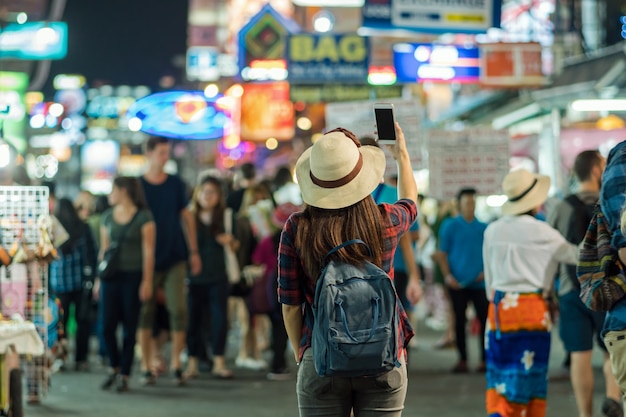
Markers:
(610, 122)
(211, 91)
(316, 137)
(235, 90)
(304, 123)
(231, 141)
(271, 144)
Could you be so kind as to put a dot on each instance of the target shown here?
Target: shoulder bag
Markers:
(107, 268)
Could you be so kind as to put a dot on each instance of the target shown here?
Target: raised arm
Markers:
(407, 188)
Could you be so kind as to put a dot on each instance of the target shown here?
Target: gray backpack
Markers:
(355, 310)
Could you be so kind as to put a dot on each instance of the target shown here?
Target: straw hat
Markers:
(338, 172)
(525, 191)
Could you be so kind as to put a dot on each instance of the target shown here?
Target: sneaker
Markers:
(82, 366)
(279, 375)
(108, 383)
(460, 368)
(482, 368)
(612, 408)
(179, 378)
(250, 363)
(122, 384)
(148, 378)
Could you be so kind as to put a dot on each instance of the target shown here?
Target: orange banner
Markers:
(266, 112)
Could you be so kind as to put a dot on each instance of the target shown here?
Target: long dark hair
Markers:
(217, 214)
(67, 215)
(320, 230)
(133, 189)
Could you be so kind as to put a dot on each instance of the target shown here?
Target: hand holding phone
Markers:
(385, 123)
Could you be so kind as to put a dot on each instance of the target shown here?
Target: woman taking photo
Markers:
(209, 289)
(336, 177)
(521, 255)
(127, 224)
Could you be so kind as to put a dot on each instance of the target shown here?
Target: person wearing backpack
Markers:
(521, 255)
(335, 271)
(612, 202)
(578, 325)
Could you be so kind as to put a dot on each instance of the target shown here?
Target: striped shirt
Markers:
(295, 288)
(613, 192)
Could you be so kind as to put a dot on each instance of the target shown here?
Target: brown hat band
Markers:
(341, 181)
(522, 195)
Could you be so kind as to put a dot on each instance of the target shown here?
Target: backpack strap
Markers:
(343, 245)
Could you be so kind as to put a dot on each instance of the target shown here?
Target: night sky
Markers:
(128, 42)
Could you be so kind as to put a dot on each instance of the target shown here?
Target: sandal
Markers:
(222, 374)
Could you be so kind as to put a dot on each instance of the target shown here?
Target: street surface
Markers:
(433, 391)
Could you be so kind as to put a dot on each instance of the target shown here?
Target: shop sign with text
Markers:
(511, 65)
(313, 58)
(432, 16)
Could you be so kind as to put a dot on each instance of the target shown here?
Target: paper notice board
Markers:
(474, 157)
(358, 117)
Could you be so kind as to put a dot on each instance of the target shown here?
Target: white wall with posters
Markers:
(473, 157)
(358, 117)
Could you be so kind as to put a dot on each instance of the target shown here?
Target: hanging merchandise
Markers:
(27, 231)
(13, 283)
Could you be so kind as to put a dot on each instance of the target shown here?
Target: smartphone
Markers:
(385, 123)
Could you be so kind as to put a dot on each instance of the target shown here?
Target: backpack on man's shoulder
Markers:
(356, 320)
(599, 270)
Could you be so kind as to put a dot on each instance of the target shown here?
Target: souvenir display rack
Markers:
(24, 232)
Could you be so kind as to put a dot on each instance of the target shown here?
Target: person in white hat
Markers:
(521, 256)
(336, 177)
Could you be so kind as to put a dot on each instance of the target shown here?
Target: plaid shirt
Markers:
(613, 192)
(68, 272)
(295, 288)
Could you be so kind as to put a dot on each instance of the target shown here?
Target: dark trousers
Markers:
(279, 340)
(120, 303)
(211, 299)
(83, 326)
(460, 299)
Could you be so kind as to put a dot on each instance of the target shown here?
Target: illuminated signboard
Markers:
(99, 165)
(432, 16)
(34, 41)
(267, 111)
(313, 58)
(511, 65)
(202, 63)
(419, 62)
(13, 87)
(262, 44)
(178, 115)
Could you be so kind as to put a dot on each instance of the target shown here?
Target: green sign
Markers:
(338, 92)
(13, 108)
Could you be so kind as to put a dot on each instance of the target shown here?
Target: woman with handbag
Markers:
(127, 235)
(209, 289)
(70, 272)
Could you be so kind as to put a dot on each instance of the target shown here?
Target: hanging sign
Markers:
(511, 65)
(313, 58)
(262, 44)
(432, 16)
(34, 41)
(419, 62)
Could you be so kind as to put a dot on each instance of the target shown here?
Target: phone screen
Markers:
(385, 124)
